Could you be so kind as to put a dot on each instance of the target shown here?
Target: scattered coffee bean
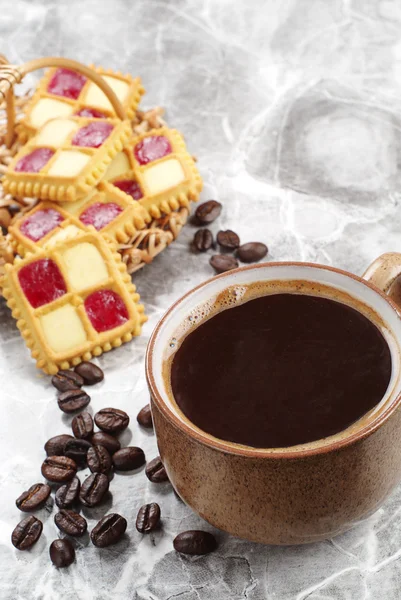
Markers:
(93, 489)
(33, 498)
(109, 530)
(252, 252)
(73, 400)
(70, 522)
(67, 494)
(223, 262)
(59, 468)
(203, 240)
(148, 517)
(144, 417)
(195, 542)
(128, 458)
(56, 445)
(62, 553)
(78, 450)
(155, 471)
(228, 239)
(112, 420)
(90, 373)
(67, 380)
(100, 438)
(82, 425)
(26, 533)
(208, 211)
(99, 460)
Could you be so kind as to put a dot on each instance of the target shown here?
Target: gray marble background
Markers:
(293, 108)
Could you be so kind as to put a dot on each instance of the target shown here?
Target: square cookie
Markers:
(66, 158)
(64, 93)
(156, 170)
(72, 300)
(111, 212)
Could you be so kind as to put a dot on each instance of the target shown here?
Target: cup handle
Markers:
(385, 273)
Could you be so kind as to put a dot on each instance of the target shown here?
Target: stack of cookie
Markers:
(101, 187)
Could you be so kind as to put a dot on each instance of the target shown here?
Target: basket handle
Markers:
(12, 74)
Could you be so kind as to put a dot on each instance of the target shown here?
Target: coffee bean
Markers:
(90, 373)
(67, 494)
(59, 468)
(93, 489)
(112, 420)
(78, 450)
(155, 471)
(99, 460)
(33, 498)
(208, 211)
(70, 522)
(228, 239)
(67, 380)
(56, 445)
(252, 252)
(109, 530)
(62, 553)
(195, 542)
(203, 240)
(100, 438)
(144, 417)
(82, 425)
(223, 262)
(73, 400)
(148, 517)
(129, 458)
(26, 533)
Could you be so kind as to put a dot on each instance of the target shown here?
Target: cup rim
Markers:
(247, 451)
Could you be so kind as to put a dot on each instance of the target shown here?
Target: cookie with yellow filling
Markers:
(157, 171)
(111, 212)
(63, 93)
(72, 300)
(66, 159)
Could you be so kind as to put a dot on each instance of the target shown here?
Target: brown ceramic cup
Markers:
(302, 493)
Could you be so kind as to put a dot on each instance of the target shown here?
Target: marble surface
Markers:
(292, 107)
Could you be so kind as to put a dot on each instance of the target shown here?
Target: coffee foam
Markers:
(236, 295)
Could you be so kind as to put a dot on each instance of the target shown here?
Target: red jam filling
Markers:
(93, 135)
(99, 215)
(66, 83)
(35, 161)
(91, 112)
(106, 310)
(41, 282)
(130, 187)
(151, 148)
(40, 223)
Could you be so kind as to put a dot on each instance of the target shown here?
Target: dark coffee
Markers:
(280, 370)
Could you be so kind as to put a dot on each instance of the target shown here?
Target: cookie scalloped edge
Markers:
(43, 362)
(77, 187)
